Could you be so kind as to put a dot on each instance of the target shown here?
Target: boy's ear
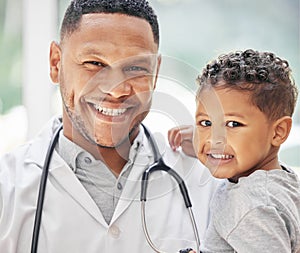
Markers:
(282, 129)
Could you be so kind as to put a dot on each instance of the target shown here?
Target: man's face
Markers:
(107, 71)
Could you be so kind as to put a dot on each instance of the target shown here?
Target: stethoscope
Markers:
(158, 165)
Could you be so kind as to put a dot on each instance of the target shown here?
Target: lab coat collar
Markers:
(66, 178)
(39, 145)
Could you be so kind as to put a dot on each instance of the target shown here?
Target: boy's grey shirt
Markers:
(261, 213)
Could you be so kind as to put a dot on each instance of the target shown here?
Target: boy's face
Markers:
(233, 137)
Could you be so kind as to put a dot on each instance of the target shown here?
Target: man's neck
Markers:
(114, 157)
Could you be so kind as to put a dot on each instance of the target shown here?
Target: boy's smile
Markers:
(233, 137)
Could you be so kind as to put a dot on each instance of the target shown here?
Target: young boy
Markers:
(244, 106)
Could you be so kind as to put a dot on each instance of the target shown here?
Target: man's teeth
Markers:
(109, 111)
(221, 156)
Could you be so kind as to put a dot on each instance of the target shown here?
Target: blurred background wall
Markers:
(192, 32)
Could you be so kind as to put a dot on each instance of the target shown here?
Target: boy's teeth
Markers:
(109, 111)
(221, 156)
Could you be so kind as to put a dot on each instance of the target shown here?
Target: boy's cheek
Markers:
(196, 142)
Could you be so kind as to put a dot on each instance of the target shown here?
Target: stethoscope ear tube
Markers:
(160, 165)
(42, 190)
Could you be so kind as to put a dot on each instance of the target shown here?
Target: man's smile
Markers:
(109, 111)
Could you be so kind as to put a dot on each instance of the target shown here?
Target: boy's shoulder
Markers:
(257, 188)
(278, 189)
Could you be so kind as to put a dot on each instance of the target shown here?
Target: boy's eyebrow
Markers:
(231, 114)
(201, 114)
(234, 114)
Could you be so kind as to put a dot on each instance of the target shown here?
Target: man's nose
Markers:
(115, 83)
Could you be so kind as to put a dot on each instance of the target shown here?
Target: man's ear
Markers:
(282, 129)
(157, 70)
(54, 59)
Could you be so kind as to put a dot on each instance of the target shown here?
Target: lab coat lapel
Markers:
(68, 180)
(133, 184)
(60, 171)
(132, 189)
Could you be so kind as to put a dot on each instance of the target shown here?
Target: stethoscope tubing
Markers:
(147, 235)
(42, 191)
(157, 165)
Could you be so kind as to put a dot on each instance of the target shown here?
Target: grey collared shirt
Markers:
(99, 181)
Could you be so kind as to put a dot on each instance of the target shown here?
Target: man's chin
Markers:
(110, 145)
(118, 141)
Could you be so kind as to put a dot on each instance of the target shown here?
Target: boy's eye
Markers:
(233, 124)
(205, 123)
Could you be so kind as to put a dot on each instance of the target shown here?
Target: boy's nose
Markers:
(218, 136)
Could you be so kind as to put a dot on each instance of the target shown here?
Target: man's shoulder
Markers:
(33, 150)
(10, 158)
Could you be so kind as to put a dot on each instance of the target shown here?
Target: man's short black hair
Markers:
(136, 8)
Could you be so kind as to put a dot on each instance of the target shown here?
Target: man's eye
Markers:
(205, 123)
(135, 68)
(233, 124)
(94, 63)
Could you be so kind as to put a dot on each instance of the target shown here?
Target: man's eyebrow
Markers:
(88, 49)
(140, 59)
(144, 58)
(148, 60)
(91, 53)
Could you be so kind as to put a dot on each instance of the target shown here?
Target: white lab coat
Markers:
(72, 222)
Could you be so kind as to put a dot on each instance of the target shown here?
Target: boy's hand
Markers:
(182, 136)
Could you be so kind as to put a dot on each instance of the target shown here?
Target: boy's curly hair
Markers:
(265, 75)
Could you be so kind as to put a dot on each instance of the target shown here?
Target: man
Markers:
(106, 64)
